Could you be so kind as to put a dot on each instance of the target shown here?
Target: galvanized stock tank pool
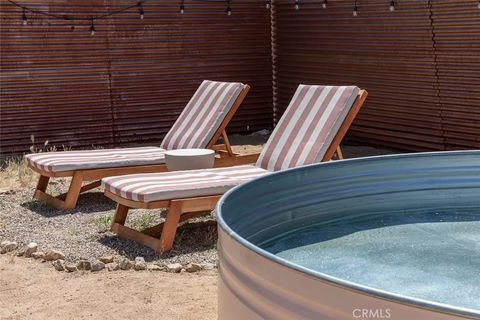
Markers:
(391, 237)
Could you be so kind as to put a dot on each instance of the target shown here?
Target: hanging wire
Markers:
(139, 5)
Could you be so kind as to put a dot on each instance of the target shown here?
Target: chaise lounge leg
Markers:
(170, 226)
(42, 183)
(120, 215)
(339, 153)
(73, 191)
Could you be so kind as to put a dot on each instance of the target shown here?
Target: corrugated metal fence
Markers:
(129, 82)
(420, 64)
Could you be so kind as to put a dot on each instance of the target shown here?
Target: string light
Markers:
(324, 4)
(392, 5)
(297, 6)
(355, 9)
(229, 8)
(24, 17)
(182, 7)
(92, 28)
(478, 5)
(268, 4)
(140, 9)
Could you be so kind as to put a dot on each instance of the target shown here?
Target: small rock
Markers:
(193, 267)
(84, 265)
(97, 265)
(208, 266)
(51, 255)
(154, 267)
(21, 252)
(140, 264)
(6, 191)
(70, 267)
(106, 259)
(174, 267)
(126, 264)
(30, 249)
(8, 246)
(59, 265)
(38, 255)
(112, 266)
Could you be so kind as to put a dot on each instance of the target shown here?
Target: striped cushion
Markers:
(307, 127)
(202, 116)
(180, 184)
(193, 129)
(95, 159)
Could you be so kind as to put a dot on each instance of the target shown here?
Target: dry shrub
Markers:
(16, 174)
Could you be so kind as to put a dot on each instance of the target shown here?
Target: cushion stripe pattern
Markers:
(202, 116)
(193, 129)
(308, 126)
(96, 159)
(180, 184)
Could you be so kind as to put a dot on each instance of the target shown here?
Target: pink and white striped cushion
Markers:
(193, 129)
(180, 184)
(96, 159)
(308, 126)
(202, 116)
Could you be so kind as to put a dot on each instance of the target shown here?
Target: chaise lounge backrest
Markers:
(203, 115)
(308, 126)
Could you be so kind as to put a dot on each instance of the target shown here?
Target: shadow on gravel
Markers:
(90, 202)
(190, 238)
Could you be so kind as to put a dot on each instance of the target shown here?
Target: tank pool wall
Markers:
(255, 284)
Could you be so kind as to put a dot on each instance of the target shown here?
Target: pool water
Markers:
(433, 256)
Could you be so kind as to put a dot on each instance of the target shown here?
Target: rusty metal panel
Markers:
(457, 46)
(129, 82)
(420, 65)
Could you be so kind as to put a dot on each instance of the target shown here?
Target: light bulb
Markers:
(392, 5)
(24, 18)
(92, 29)
(296, 5)
(355, 12)
(324, 4)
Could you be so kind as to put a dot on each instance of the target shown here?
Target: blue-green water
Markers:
(433, 256)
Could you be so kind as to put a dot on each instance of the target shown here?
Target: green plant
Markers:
(142, 221)
(103, 222)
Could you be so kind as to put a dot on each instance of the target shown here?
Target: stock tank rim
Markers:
(378, 293)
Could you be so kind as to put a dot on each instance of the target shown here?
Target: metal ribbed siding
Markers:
(457, 43)
(129, 82)
(407, 60)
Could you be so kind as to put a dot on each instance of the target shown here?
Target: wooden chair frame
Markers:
(225, 157)
(160, 237)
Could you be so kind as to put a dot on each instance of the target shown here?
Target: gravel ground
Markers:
(82, 233)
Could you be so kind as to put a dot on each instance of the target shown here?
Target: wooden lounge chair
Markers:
(310, 131)
(201, 124)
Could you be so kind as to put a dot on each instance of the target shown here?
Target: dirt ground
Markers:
(30, 289)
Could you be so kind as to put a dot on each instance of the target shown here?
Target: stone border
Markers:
(108, 263)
